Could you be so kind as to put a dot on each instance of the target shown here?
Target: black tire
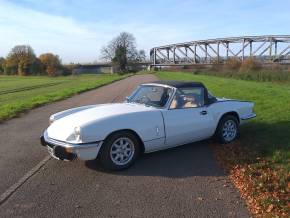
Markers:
(106, 158)
(220, 132)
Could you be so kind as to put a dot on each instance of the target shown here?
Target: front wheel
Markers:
(119, 151)
(228, 129)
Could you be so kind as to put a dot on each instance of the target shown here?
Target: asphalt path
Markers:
(180, 182)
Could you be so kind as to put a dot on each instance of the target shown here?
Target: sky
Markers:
(76, 30)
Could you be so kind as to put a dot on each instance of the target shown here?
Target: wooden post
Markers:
(251, 48)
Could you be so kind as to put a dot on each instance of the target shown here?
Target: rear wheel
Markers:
(120, 150)
(228, 129)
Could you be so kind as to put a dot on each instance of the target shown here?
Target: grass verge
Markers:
(18, 94)
(259, 161)
(262, 75)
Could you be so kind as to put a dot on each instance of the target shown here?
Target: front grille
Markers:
(50, 145)
(62, 154)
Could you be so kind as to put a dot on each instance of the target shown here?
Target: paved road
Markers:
(180, 182)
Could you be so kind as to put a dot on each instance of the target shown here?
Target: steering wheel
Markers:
(144, 99)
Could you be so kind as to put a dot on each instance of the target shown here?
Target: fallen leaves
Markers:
(270, 208)
(200, 199)
(258, 182)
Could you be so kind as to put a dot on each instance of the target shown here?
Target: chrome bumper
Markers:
(67, 151)
(245, 119)
(251, 116)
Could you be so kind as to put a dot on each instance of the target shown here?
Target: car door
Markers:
(187, 120)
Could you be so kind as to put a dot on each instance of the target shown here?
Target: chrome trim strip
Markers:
(70, 145)
(249, 117)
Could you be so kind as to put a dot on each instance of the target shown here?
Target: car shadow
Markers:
(194, 159)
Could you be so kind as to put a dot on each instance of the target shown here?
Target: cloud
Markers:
(44, 32)
(76, 30)
(74, 41)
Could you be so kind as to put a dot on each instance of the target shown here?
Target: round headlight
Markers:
(51, 119)
(77, 131)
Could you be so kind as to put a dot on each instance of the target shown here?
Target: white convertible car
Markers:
(156, 116)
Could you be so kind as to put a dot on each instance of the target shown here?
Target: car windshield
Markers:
(150, 95)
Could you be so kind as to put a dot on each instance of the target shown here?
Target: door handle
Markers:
(203, 112)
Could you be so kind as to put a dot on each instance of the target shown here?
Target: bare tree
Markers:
(122, 51)
(141, 57)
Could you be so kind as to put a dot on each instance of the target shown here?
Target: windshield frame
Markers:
(166, 106)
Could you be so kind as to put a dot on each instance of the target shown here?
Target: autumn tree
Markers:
(51, 63)
(20, 60)
(121, 51)
(2, 63)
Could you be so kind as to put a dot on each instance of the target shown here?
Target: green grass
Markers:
(18, 94)
(263, 75)
(268, 135)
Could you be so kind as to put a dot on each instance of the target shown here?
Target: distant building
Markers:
(93, 68)
(106, 68)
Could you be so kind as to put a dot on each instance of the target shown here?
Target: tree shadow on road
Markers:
(194, 159)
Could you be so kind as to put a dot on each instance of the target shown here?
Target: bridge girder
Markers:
(269, 49)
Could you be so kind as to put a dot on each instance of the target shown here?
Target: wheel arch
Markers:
(132, 132)
(232, 113)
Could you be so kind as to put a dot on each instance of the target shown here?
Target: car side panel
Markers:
(218, 109)
(148, 125)
(154, 145)
(187, 125)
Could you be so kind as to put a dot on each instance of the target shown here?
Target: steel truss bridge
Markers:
(268, 49)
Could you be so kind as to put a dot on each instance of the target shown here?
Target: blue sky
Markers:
(76, 30)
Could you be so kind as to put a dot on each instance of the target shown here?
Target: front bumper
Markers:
(248, 117)
(67, 151)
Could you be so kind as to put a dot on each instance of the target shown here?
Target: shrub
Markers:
(68, 69)
(274, 73)
(276, 67)
(51, 63)
(216, 66)
(2, 63)
(232, 64)
(250, 64)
